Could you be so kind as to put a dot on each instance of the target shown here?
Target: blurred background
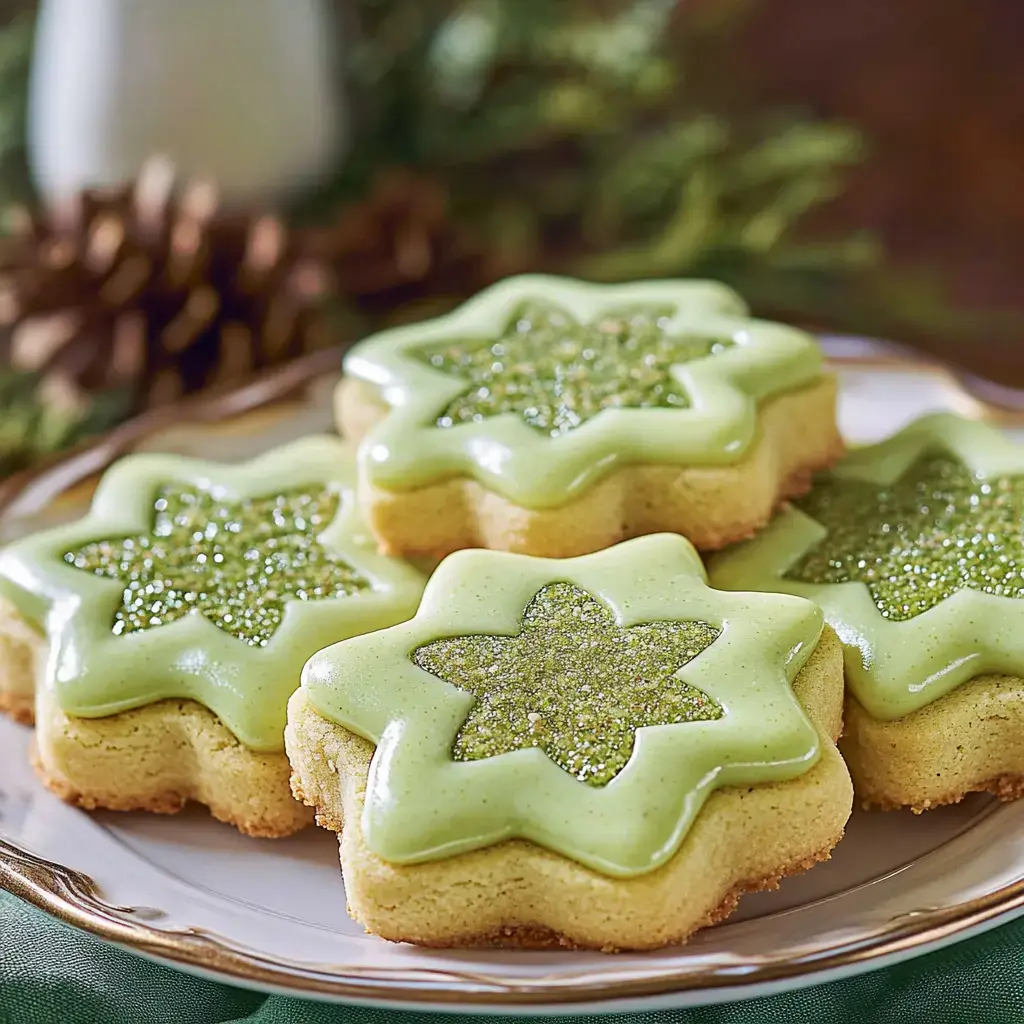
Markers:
(195, 190)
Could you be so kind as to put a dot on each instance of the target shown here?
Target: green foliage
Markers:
(15, 59)
(593, 137)
(36, 422)
(572, 137)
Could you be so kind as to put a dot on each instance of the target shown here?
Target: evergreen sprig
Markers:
(15, 60)
(569, 136)
(585, 137)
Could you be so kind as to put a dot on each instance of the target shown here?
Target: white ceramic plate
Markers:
(271, 914)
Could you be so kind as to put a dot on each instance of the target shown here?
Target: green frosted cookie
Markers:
(541, 392)
(585, 728)
(914, 549)
(177, 616)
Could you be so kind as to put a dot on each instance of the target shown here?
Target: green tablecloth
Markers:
(52, 973)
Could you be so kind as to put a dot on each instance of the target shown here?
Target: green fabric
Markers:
(52, 974)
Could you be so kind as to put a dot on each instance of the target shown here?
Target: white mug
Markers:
(242, 91)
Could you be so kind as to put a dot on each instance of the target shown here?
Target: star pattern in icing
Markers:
(572, 682)
(936, 530)
(238, 563)
(557, 373)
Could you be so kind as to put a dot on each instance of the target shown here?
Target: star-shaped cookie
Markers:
(540, 386)
(455, 769)
(913, 548)
(198, 580)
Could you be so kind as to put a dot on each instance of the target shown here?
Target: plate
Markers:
(270, 914)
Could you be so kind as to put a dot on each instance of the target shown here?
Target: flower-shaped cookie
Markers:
(590, 705)
(540, 386)
(913, 548)
(193, 579)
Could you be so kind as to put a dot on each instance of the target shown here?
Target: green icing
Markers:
(540, 386)
(572, 682)
(690, 690)
(936, 530)
(913, 548)
(98, 600)
(239, 563)
(557, 373)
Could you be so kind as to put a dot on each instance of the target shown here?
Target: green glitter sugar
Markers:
(237, 563)
(557, 373)
(937, 530)
(572, 682)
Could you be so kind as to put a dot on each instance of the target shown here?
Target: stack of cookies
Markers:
(564, 735)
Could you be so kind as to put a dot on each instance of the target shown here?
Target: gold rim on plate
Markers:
(76, 899)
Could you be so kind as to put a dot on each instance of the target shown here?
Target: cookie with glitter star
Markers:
(915, 551)
(597, 752)
(551, 417)
(177, 617)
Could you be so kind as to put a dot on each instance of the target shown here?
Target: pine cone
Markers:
(152, 289)
(399, 246)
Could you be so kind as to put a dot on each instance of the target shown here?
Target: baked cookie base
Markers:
(21, 648)
(971, 740)
(158, 758)
(519, 894)
(711, 506)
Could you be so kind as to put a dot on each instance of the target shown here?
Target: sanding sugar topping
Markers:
(938, 529)
(557, 373)
(236, 562)
(572, 682)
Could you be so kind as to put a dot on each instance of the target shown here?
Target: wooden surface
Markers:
(937, 86)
